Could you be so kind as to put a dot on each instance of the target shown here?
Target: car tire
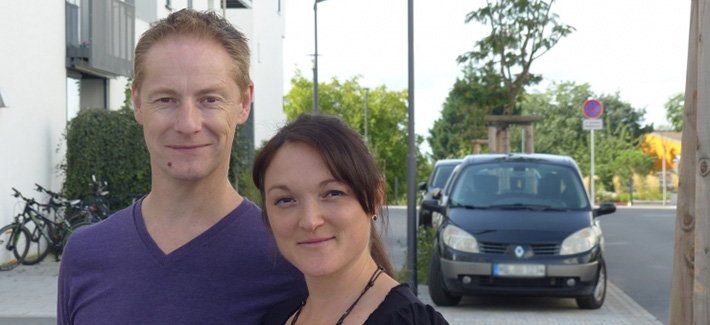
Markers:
(596, 299)
(437, 291)
(424, 218)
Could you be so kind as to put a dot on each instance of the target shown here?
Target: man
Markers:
(193, 251)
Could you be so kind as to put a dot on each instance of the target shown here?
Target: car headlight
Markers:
(460, 240)
(581, 241)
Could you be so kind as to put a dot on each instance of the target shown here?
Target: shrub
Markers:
(425, 248)
(110, 145)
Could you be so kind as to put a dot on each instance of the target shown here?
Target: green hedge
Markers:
(110, 145)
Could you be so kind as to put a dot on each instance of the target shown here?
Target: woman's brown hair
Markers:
(348, 160)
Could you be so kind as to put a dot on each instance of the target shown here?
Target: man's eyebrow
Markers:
(161, 91)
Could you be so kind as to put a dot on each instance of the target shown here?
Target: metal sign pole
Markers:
(591, 178)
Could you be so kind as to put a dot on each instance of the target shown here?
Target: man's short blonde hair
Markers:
(202, 25)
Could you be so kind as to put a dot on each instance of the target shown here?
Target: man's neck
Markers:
(176, 212)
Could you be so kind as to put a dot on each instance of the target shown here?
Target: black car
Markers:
(518, 224)
(439, 174)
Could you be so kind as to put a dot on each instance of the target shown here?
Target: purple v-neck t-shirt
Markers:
(114, 273)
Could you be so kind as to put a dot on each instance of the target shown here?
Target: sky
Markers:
(638, 48)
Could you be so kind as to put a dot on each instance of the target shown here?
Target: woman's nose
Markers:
(311, 215)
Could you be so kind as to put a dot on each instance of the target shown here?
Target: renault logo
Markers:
(519, 251)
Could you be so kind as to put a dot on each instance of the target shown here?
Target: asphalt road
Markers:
(639, 252)
(639, 255)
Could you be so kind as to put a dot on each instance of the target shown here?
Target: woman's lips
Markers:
(315, 241)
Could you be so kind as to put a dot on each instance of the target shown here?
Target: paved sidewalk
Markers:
(29, 297)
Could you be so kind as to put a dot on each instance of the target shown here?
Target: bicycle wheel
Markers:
(14, 244)
(39, 245)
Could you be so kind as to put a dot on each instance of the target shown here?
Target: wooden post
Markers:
(492, 139)
(681, 300)
(499, 141)
(529, 139)
(477, 145)
(505, 139)
(701, 284)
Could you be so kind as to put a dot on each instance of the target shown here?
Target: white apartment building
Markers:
(57, 57)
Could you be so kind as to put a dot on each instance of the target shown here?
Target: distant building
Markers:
(59, 57)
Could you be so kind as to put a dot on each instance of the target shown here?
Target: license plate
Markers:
(519, 270)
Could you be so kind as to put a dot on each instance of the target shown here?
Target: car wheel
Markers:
(596, 299)
(424, 218)
(437, 291)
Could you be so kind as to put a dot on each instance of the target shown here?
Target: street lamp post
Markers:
(315, 58)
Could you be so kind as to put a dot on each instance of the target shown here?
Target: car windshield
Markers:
(519, 185)
(441, 174)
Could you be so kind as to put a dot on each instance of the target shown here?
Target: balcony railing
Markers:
(100, 37)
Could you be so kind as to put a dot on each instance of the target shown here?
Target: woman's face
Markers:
(317, 222)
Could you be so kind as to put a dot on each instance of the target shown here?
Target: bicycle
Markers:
(14, 245)
(59, 207)
(46, 235)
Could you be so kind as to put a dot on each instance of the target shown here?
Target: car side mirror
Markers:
(422, 186)
(432, 205)
(436, 194)
(605, 208)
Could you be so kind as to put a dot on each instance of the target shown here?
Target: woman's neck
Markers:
(330, 296)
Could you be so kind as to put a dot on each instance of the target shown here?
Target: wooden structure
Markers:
(498, 132)
(690, 283)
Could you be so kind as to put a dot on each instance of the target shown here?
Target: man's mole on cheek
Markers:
(170, 164)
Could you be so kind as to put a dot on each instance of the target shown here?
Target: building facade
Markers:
(58, 57)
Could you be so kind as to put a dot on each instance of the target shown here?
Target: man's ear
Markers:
(245, 105)
(137, 112)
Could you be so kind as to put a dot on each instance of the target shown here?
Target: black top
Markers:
(399, 307)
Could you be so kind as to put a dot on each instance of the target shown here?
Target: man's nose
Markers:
(188, 119)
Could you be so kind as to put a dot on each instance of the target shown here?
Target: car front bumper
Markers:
(561, 279)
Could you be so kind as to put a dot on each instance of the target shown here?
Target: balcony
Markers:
(100, 36)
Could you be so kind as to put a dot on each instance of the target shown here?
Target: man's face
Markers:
(189, 105)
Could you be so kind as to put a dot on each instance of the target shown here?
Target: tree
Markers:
(674, 111)
(560, 130)
(631, 162)
(387, 121)
(521, 32)
(475, 95)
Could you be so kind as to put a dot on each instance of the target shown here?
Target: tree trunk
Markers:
(701, 296)
(681, 300)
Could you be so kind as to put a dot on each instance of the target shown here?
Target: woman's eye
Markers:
(334, 193)
(283, 200)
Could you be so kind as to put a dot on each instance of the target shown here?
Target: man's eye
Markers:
(164, 100)
(211, 100)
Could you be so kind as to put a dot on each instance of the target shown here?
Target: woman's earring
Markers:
(374, 217)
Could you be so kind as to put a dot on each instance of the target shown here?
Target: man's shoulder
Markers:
(114, 227)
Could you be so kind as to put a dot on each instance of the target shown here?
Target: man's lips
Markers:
(187, 147)
(314, 241)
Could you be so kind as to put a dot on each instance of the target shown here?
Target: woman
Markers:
(322, 193)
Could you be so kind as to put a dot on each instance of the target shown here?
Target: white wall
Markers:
(267, 69)
(33, 77)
